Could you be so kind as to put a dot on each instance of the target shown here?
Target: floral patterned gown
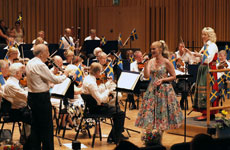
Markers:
(160, 109)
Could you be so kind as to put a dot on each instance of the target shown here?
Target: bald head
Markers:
(58, 60)
(68, 32)
(41, 51)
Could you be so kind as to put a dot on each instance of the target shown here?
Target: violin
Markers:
(102, 79)
(222, 65)
(141, 65)
(23, 81)
(180, 64)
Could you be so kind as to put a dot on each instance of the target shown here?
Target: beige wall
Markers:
(153, 19)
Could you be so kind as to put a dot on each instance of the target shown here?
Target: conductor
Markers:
(38, 78)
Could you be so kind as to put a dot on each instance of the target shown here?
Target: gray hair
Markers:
(14, 68)
(39, 48)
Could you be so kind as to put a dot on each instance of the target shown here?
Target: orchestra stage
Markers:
(169, 138)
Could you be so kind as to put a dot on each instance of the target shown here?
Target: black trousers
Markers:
(42, 123)
(118, 119)
(22, 114)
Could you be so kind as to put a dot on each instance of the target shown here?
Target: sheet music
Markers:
(61, 89)
(128, 80)
(178, 72)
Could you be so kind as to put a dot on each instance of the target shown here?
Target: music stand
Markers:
(63, 91)
(26, 50)
(110, 46)
(127, 83)
(185, 77)
(89, 46)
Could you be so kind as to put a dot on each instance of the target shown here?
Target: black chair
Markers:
(5, 117)
(181, 146)
(155, 147)
(90, 105)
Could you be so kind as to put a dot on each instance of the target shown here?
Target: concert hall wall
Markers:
(153, 19)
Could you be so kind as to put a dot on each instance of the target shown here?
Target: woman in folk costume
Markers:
(160, 109)
(208, 56)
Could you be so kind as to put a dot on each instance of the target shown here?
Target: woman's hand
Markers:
(158, 82)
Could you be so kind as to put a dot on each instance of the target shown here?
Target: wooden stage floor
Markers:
(168, 139)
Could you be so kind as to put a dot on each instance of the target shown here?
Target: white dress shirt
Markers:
(185, 57)
(90, 38)
(35, 41)
(212, 50)
(219, 74)
(134, 66)
(39, 75)
(90, 87)
(67, 44)
(16, 95)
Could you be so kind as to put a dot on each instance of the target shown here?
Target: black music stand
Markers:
(110, 46)
(63, 91)
(127, 83)
(89, 46)
(26, 50)
(185, 77)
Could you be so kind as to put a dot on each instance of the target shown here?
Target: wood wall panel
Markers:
(155, 19)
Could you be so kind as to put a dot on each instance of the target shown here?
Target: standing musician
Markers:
(208, 57)
(90, 87)
(68, 40)
(92, 35)
(3, 33)
(38, 78)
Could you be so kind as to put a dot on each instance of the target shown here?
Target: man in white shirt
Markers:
(134, 66)
(90, 87)
(38, 78)
(42, 35)
(68, 40)
(16, 95)
(92, 35)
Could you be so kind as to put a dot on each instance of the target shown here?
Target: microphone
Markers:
(115, 55)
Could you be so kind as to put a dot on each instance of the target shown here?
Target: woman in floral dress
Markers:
(160, 109)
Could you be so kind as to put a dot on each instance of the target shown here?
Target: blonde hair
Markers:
(211, 33)
(94, 68)
(12, 50)
(163, 46)
(68, 53)
(102, 54)
(223, 52)
(39, 40)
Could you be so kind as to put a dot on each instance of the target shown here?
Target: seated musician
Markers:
(104, 82)
(92, 35)
(39, 40)
(69, 54)
(4, 67)
(17, 96)
(12, 54)
(223, 64)
(96, 53)
(41, 34)
(90, 87)
(137, 66)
